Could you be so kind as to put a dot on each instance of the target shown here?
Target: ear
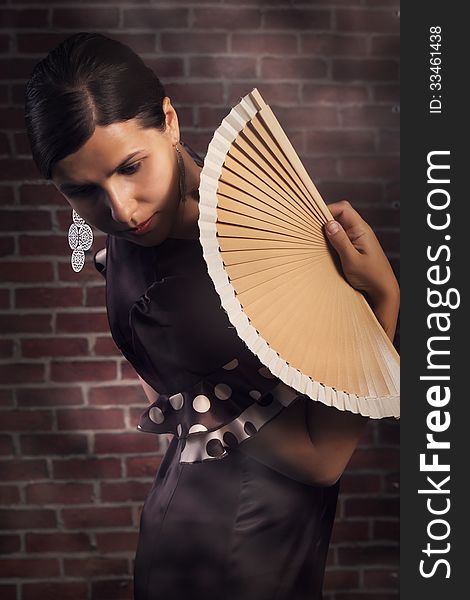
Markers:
(171, 119)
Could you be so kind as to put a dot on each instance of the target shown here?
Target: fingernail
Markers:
(332, 227)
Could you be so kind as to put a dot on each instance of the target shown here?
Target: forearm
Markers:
(386, 307)
(335, 433)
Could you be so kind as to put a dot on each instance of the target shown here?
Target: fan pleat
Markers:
(261, 222)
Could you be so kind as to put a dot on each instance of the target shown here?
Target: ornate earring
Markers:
(80, 238)
(182, 173)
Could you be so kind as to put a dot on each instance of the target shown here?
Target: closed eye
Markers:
(133, 168)
(127, 170)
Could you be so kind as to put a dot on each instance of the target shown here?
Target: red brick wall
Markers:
(74, 471)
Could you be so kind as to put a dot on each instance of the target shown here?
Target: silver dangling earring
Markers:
(182, 173)
(80, 238)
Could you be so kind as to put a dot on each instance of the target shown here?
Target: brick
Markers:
(90, 418)
(95, 296)
(96, 322)
(218, 66)
(370, 115)
(155, 18)
(86, 468)
(58, 542)
(54, 590)
(26, 420)
(53, 444)
(381, 578)
(385, 45)
(65, 371)
(47, 297)
(49, 245)
(371, 168)
(106, 346)
(349, 531)
(143, 467)
(364, 69)
(338, 579)
(59, 493)
(330, 45)
(126, 491)
(48, 347)
(6, 348)
(297, 19)
(9, 544)
(94, 566)
(89, 18)
(375, 458)
(26, 272)
(44, 396)
(389, 141)
(369, 507)
(20, 372)
(355, 483)
(121, 541)
(386, 93)
(305, 118)
(21, 220)
(27, 519)
(86, 518)
(43, 193)
(386, 530)
(9, 494)
(167, 67)
(195, 93)
(16, 19)
(321, 168)
(22, 469)
(389, 240)
(264, 43)
(275, 94)
(293, 68)
(339, 142)
(380, 217)
(126, 443)
(11, 118)
(389, 433)
(117, 395)
(226, 18)
(115, 589)
(6, 445)
(4, 299)
(369, 555)
(193, 42)
(29, 567)
(392, 483)
(366, 20)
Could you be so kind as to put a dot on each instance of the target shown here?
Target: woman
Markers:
(248, 520)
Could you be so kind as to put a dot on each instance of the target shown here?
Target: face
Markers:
(122, 176)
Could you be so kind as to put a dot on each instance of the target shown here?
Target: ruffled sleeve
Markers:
(213, 392)
(222, 410)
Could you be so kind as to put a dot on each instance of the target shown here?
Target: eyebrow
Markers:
(68, 187)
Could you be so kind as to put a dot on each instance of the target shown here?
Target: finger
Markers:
(340, 241)
(345, 213)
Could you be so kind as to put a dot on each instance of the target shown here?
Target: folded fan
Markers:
(261, 229)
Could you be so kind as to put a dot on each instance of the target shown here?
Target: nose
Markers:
(121, 204)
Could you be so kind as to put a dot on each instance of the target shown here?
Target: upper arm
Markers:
(284, 445)
(307, 441)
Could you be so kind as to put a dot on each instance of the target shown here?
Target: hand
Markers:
(364, 263)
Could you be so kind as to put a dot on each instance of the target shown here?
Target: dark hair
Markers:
(85, 81)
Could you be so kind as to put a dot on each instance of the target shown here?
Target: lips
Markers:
(143, 227)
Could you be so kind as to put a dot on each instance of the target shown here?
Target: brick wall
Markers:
(74, 470)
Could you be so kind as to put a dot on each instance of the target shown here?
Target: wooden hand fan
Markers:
(260, 223)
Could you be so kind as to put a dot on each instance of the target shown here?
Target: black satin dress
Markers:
(215, 523)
